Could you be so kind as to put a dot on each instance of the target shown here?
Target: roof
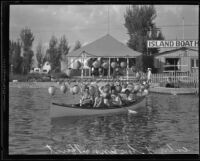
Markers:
(174, 50)
(106, 46)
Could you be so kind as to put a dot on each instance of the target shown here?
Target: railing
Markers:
(186, 79)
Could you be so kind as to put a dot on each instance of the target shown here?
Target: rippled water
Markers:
(170, 127)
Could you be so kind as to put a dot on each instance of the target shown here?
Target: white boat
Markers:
(174, 91)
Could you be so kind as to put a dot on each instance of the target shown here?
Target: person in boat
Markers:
(124, 96)
(115, 98)
(105, 93)
(124, 87)
(98, 102)
(132, 97)
(86, 99)
(112, 87)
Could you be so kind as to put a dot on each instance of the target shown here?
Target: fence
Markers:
(187, 79)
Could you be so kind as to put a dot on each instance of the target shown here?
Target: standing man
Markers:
(93, 72)
(149, 75)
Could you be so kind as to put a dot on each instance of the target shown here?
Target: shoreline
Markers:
(39, 84)
(32, 84)
(155, 88)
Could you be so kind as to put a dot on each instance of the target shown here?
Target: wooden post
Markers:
(82, 56)
(109, 68)
(127, 73)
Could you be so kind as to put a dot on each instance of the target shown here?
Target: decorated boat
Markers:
(62, 109)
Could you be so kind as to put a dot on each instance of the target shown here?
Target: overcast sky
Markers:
(90, 22)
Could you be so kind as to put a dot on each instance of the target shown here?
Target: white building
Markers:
(46, 67)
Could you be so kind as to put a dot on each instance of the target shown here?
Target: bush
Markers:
(20, 78)
(59, 75)
(39, 77)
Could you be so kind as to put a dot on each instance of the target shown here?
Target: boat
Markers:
(173, 91)
(62, 109)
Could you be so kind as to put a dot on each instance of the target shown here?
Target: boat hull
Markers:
(178, 91)
(61, 111)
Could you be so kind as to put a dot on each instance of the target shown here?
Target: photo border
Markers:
(5, 88)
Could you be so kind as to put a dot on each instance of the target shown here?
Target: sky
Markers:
(87, 23)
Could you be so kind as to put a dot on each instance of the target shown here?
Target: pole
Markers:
(109, 68)
(127, 69)
(82, 56)
(183, 28)
(108, 29)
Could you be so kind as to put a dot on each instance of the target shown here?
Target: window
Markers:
(194, 63)
(171, 64)
(197, 63)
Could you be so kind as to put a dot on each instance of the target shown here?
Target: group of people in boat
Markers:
(109, 95)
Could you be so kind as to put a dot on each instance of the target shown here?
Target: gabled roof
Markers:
(106, 46)
(174, 50)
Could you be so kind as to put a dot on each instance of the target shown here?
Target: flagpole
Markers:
(183, 23)
(108, 29)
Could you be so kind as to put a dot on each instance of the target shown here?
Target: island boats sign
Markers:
(172, 43)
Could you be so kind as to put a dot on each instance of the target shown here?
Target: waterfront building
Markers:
(108, 48)
(178, 60)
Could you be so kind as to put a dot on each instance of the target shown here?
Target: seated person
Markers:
(169, 83)
(125, 96)
(86, 99)
(107, 102)
(124, 87)
(98, 102)
(106, 96)
(128, 97)
(112, 87)
(132, 97)
(115, 98)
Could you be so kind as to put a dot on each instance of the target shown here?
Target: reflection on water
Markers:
(171, 122)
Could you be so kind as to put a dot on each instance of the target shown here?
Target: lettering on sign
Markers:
(172, 43)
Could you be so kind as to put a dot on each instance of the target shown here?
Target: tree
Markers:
(139, 23)
(27, 39)
(11, 49)
(39, 55)
(77, 45)
(63, 47)
(52, 54)
(15, 59)
(63, 50)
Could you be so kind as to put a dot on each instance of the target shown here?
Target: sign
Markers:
(172, 43)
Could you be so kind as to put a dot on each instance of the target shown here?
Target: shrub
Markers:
(59, 75)
(39, 77)
(20, 78)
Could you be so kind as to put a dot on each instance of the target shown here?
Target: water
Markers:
(169, 126)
